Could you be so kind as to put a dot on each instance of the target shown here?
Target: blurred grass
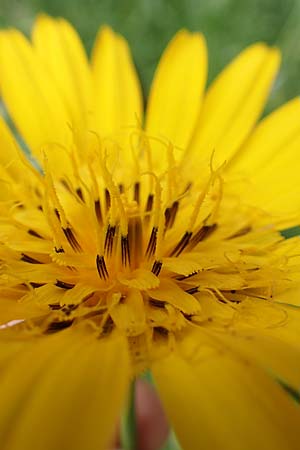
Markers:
(229, 25)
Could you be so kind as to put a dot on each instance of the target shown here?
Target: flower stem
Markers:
(128, 422)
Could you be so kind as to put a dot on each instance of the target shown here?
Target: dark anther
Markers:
(240, 233)
(57, 213)
(55, 306)
(71, 239)
(109, 239)
(167, 217)
(203, 233)
(40, 208)
(101, 267)
(107, 199)
(156, 268)
(192, 290)
(108, 326)
(34, 233)
(152, 243)
(69, 308)
(125, 253)
(188, 187)
(59, 250)
(98, 211)
(188, 317)
(121, 188)
(135, 239)
(157, 303)
(136, 194)
(182, 244)
(37, 192)
(36, 285)
(149, 206)
(64, 285)
(170, 215)
(58, 325)
(65, 184)
(161, 330)
(80, 194)
(30, 260)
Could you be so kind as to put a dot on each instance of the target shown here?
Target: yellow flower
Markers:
(146, 244)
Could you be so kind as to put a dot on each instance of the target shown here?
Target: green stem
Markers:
(128, 422)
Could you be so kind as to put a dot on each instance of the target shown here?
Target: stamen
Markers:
(72, 239)
(35, 234)
(149, 204)
(125, 251)
(161, 330)
(157, 303)
(29, 259)
(170, 215)
(101, 267)
(57, 213)
(55, 306)
(59, 250)
(182, 244)
(156, 268)
(152, 243)
(80, 194)
(109, 240)
(137, 192)
(36, 285)
(107, 200)
(240, 232)
(65, 184)
(69, 308)
(57, 326)
(135, 237)
(192, 290)
(98, 211)
(203, 233)
(64, 285)
(108, 326)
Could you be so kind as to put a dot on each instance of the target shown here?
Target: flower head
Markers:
(146, 244)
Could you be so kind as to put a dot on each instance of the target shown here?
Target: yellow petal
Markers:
(30, 95)
(9, 155)
(68, 395)
(11, 309)
(274, 355)
(225, 404)
(169, 292)
(280, 321)
(11, 166)
(269, 161)
(139, 279)
(233, 104)
(129, 315)
(177, 89)
(118, 100)
(59, 47)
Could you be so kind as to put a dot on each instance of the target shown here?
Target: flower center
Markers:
(145, 257)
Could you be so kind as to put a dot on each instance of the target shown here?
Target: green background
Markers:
(229, 25)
